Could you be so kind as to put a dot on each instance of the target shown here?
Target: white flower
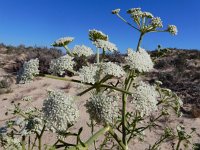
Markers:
(172, 29)
(97, 35)
(62, 41)
(12, 143)
(106, 45)
(147, 14)
(134, 11)
(144, 98)
(103, 108)
(60, 65)
(82, 50)
(59, 110)
(115, 11)
(109, 68)
(27, 98)
(28, 71)
(88, 74)
(139, 60)
(156, 22)
(32, 125)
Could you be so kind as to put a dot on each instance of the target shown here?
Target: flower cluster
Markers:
(33, 124)
(105, 45)
(139, 60)
(135, 12)
(11, 143)
(60, 65)
(103, 108)
(28, 71)
(82, 50)
(172, 29)
(59, 110)
(27, 98)
(110, 68)
(95, 35)
(144, 98)
(156, 22)
(147, 15)
(88, 74)
(62, 41)
(115, 11)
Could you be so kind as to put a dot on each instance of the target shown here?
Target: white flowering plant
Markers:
(120, 103)
(29, 70)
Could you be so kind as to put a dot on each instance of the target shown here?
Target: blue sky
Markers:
(40, 22)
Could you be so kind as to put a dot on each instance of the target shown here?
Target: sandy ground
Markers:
(37, 90)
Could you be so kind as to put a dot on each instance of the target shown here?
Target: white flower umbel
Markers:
(144, 98)
(97, 35)
(115, 11)
(139, 60)
(147, 14)
(156, 22)
(134, 11)
(28, 71)
(106, 45)
(59, 110)
(12, 143)
(110, 68)
(172, 29)
(103, 108)
(60, 65)
(62, 41)
(82, 50)
(88, 74)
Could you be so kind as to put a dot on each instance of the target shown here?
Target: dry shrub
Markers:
(5, 85)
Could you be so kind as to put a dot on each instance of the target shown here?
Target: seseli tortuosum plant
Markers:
(121, 106)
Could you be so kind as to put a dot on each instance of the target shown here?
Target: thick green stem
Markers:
(91, 139)
(124, 119)
(140, 40)
(128, 81)
(40, 143)
(68, 50)
(23, 143)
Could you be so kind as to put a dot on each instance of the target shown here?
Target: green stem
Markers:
(127, 22)
(29, 142)
(97, 55)
(103, 55)
(124, 99)
(115, 88)
(65, 79)
(40, 138)
(23, 143)
(124, 119)
(68, 50)
(40, 143)
(178, 145)
(119, 141)
(155, 146)
(91, 139)
(140, 40)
